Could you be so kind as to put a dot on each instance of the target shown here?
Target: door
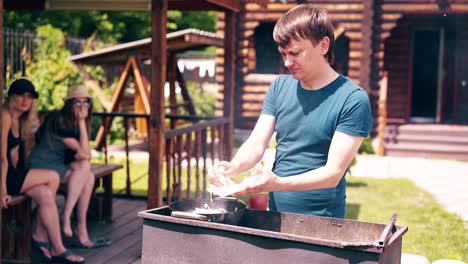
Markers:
(427, 74)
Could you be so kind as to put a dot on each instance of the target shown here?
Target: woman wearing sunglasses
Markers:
(62, 144)
(19, 122)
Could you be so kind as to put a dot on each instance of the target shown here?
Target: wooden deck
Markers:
(125, 231)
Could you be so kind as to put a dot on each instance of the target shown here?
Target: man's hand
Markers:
(260, 180)
(221, 173)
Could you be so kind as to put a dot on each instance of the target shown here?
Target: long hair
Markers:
(28, 123)
(69, 117)
(60, 119)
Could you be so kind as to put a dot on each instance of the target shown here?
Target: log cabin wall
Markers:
(252, 83)
(370, 25)
(461, 69)
(394, 24)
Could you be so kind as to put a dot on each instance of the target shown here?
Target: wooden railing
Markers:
(188, 151)
(194, 147)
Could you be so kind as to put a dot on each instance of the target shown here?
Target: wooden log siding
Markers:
(251, 91)
(397, 64)
(461, 70)
(192, 149)
(351, 15)
(392, 52)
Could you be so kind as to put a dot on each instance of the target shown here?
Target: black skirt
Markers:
(15, 179)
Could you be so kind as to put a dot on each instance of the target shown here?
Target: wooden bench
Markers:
(16, 230)
(16, 219)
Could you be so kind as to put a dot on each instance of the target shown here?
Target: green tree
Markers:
(121, 26)
(49, 70)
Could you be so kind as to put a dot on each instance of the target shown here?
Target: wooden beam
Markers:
(1, 105)
(184, 91)
(193, 5)
(24, 4)
(171, 75)
(141, 100)
(229, 78)
(140, 85)
(158, 80)
(118, 91)
(232, 5)
(113, 5)
(367, 29)
(122, 5)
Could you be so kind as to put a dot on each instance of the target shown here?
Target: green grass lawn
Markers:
(139, 177)
(433, 232)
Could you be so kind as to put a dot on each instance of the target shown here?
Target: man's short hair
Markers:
(307, 22)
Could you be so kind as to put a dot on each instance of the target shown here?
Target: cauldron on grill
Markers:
(226, 210)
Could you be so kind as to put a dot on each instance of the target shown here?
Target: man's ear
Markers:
(324, 45)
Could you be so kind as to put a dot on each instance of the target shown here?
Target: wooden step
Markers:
(427, 147)
(432, 154)
(441, 130)
(427, 140)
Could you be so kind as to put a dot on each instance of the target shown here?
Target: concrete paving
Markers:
(446, 180)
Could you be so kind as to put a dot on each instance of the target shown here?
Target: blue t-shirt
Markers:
(305, 122)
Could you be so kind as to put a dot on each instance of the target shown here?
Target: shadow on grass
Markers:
(356, 184)
(352, 211)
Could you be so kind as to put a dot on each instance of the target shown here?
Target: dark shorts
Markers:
(15, 180)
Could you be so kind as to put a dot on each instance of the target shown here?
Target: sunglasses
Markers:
(79, 104)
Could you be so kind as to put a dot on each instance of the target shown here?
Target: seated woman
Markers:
(18, 122)
(61, 131)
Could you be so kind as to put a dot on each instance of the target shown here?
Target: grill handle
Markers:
(383, 239)
(186, 215)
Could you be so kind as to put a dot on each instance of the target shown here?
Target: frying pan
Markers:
(234, 210)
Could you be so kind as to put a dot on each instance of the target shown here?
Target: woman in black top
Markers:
(18, 126)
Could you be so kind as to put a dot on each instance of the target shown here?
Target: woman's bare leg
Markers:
(48, 212)
(83, 204)
(76, 182)
(43, 178)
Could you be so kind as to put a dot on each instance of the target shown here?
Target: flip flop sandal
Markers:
(39, 245)
(97, 243)
(62, 258)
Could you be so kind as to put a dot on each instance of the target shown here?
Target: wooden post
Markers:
(171, 75)
(382, 114)
(365, 68)
(1, 103)
(229, 78)
(376, 62)
(184, 91)
(158, 79)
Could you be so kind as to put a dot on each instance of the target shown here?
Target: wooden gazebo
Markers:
(158, 57)
(132, 58)
(159, 61)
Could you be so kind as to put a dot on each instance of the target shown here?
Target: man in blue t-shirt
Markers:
(320, 118)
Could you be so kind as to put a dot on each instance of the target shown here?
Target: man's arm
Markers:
(252, 150)
(249, 154)
(342, 150)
